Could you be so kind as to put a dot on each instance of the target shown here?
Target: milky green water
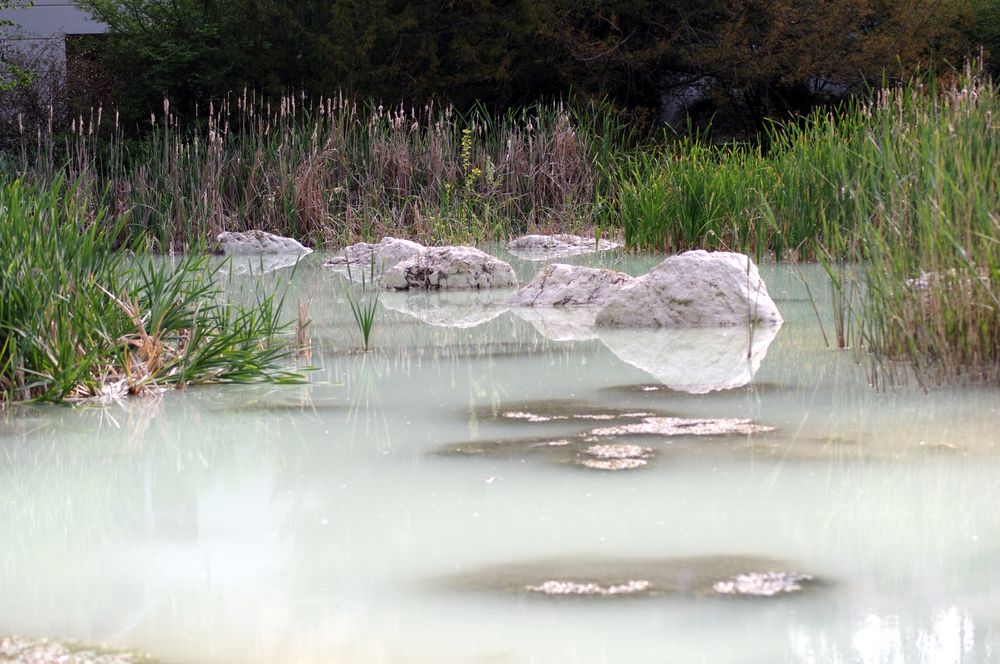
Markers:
(314, 523)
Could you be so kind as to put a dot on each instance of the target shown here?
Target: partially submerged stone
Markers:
(575, 451)
(694, 289)
(444, 268)
(762, 584)
(693, 360)
(257, 242)
(372, 260)
(545, 247)
(666, 427)
(18, 650)
(616, 456)
(561, 410)
(458, 309)
(606, 578)
(559, 285)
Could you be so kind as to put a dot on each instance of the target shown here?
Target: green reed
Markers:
(363, 299)
(330, 170)
(80, 319)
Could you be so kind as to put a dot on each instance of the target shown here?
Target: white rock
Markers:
(359, 258)
(258, 242)
(545, 247)
(447, 268)
(694, 289)
(565, 285)
(693, 360)
(461, 309)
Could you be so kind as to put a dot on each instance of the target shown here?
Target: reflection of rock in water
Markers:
(695, 360)
(460, 308)
(659, 388)
(257, 264)
(698, 576)
(560, 323)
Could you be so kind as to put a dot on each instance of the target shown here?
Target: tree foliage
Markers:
(12, 74)
(764, 56)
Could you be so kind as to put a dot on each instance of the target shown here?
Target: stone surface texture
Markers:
(694, 289)
(258, 242)
(545, 247)
(448, 268)
(559, 285)
(386, 254)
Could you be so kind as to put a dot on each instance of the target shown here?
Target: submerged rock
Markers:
(450, 268)
(616, 456)
(365, 258)
(559, 285)
(560, 323)
(18, 650)
(693, 360)
(599, 578)
(680, 426)
(459, 309)
(694, 289)
(545, 247)
(257, 242)
(762, 584)
(561, 410)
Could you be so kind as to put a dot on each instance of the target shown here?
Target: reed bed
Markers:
(897, 196)
(78, 319)
(330, 171)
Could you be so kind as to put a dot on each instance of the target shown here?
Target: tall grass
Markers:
(899, 199)
(79, 319)
(330, 170)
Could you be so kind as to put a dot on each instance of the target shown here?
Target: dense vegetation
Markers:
(78, 319)
(764, 58)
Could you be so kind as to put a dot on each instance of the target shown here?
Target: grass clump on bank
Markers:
(79, 318)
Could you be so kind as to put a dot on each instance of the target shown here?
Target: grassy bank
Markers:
(78, 319)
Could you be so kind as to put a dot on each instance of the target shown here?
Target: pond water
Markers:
(411, 504)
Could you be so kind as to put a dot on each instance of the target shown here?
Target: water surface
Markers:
(325, 522)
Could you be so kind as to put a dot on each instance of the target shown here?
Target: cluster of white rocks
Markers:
(699, 321)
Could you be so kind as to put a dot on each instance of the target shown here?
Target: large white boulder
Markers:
(360, 258)
(450, 268)
(545, 247)
(567, 285)
(257, 242)
(694, 289)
